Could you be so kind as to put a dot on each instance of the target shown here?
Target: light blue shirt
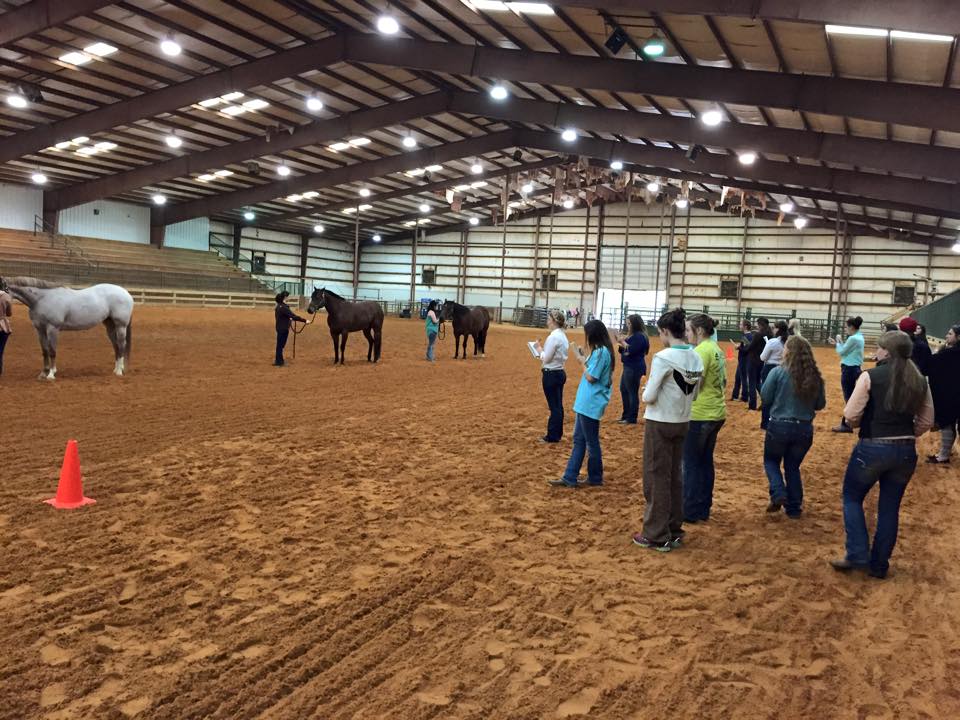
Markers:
(851, 350)
(593, 397)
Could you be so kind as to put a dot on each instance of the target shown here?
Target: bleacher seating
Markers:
(128, 264)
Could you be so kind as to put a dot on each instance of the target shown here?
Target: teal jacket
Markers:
(778, 394)
(851, 350)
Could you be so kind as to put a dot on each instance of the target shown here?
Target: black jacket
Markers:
(284, 315)
(921, 355)
(756, 346)
(944, 377)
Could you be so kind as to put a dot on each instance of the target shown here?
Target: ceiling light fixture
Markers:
(800, 223)
(231, 96)
(75, 58)
(409, 141)
(568, 204)
(858, 31)
(786, 206)
(100, 49)
(527, 188)
(249, 215)
(682, 203)
(314, 104)
(434, 168)
(478, 184)
(424, 208)
(363, 208)
(747, 158)
(388, 25)
(376, 238)
(654, 47)
(16, 100)
(39, 178)
(173, 141)
(62, 145)
(206, 177)
(476, 168)
(294, 198)
(616, 165)
(905, 35)
(283, 170)
(956, 247)
(360, 141)
(337, 147)
(223, 173)
(105, 146)
(256, 104)
(653, 186)
(364, 192)
(170, 47)
(318, 228)
(159, 199)
(233, 110)
(569, 135)
(310, 194)
(499, 92)
(712, 118)
(474, 221)
(529, 8)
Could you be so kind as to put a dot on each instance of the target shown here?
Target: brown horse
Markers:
(344, 317)
(467, 322)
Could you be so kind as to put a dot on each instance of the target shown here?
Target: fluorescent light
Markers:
(207, 177)
(568, 204)
(747, 158)
(434, 168)
(424, 208)
(89, 150)
(682, 203)
(223, 173)
(75, 58)
(360, 141)
(476, 168)
(337, 147)
(653, 186)
(410, 223)
(361, 208)
(616, 165)
(424, 221)
(786, 206)
(388, 25)
(530, 8)
(499, 92)
(416, 172)
(349, 211)
(249, 215)
(376, 238)
(16, 100)
(310, 194)
(364, 208)
(100, 49)
(210, 102)
(62, 145)
(256, 104)
(233, 110)
(159, 199)
(318, 228)
(654, 47)
(956, 247)
(294, 198)
(905, 35)
(80, 140)
(492, 5)
(569, 135)
(474, 221)
(283, 170)
(479, 184)
(800, 223)
(170, 47)
(461, 188)
(409, 141)
(173, 141)
(314, 104)
(104, 146)
(527, 188)
(231, 96)
(39, 178)
(712, 118)
(859, 31)
(364, 192)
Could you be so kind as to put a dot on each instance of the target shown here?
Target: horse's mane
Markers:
(332, 294)
(23, 281)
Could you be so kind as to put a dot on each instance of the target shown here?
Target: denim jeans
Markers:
(3, 343)
(586, 441)
(698, 471)
(787, 442)
(630, 393)
(282, 336)
(764, 410)
(553, 382)
(849, 374)
(431, 340)
(872, 462)
(754, 369)
(740, 383)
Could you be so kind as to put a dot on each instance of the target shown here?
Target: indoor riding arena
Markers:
(278, 487)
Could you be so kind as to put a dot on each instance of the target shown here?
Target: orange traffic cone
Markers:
(70, 487)
(729, 353)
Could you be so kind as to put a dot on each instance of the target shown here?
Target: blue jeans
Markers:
(3, 343)
(431, 340)
(754, 369)
(849, 374)
(787, 442)
(553, 382)
(630, 393)
(586, 439)
(872, 462)
(740, 383)
(764, 410)
(698, 471)
(282, 336)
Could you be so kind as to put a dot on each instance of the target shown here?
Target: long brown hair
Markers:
(908, 387)
(802, 368)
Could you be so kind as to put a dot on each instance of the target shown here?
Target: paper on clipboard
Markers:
(532, 347)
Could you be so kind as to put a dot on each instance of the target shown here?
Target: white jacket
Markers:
(675, 378)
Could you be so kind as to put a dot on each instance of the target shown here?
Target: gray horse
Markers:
(54, 308)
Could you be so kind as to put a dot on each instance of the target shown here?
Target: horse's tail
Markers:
(127, 344)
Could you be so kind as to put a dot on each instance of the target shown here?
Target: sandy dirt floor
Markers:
(379, 542)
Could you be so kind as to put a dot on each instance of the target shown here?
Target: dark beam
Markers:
(39, 15)
(332, 178)
(941, 17)
(903, 103)
(125, 112)
(938, 198)
(315, 133)
(900, 157)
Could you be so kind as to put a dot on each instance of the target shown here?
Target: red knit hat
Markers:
(908, 325)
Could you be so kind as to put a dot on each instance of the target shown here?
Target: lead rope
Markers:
(293, 327)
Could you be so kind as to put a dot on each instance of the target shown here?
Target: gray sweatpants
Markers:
(663, 479)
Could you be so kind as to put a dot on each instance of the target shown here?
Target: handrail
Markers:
(70, 246)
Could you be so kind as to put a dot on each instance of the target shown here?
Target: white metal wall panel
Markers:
(107, 220)
(19, 205)
(190, 234)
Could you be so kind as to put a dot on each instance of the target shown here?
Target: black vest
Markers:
(878, 422)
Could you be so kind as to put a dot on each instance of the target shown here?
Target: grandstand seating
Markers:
(84, 261)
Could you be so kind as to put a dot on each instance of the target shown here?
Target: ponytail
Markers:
(704, 323)
(855, 322)
(908, 387)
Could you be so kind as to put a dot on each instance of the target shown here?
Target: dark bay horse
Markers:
(345, 317)
(467, 322)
